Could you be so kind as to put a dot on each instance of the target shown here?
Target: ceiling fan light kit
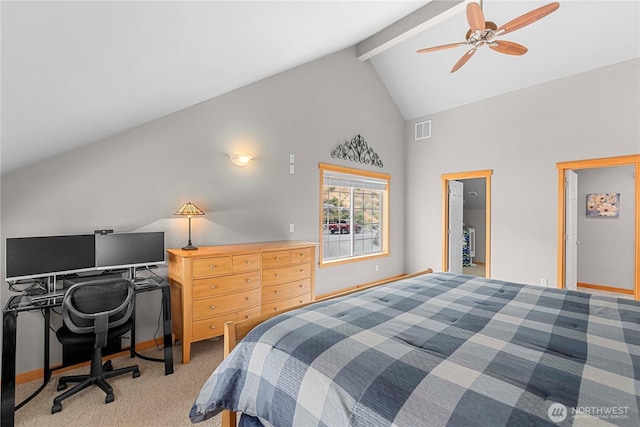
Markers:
(483, 32)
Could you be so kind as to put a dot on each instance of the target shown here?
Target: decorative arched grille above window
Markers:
(357, 150)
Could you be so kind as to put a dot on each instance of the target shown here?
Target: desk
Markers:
(20, 303)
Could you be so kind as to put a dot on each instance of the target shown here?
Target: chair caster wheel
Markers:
(56, 408)
(136, 374)
(110, 398)
(108, 366)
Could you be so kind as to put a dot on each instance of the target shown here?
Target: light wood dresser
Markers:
(216, 284)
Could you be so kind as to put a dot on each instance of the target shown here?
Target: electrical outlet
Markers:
(291, 228)
(543, 282)
(376, 267)
(292, 169)
(292, 158)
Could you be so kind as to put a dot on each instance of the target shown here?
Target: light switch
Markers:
(292, 158)
(291, 228)
(292, 169)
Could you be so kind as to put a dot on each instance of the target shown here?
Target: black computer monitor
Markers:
(121, 250)
(32, 257)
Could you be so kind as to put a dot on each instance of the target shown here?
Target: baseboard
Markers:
(38, 374)
(606, 288)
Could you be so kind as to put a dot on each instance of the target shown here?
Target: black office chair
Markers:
(94, 312)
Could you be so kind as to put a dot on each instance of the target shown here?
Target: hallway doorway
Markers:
(565, 257)
(482, 178)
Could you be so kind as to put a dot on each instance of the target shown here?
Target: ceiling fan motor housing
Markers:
(480, 37)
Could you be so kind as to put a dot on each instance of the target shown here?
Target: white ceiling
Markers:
(579, 36)
(73, 73)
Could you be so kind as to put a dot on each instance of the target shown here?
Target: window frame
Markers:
(384, 225)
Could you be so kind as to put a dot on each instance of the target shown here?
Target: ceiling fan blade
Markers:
(510, 48)
(528, 18)
(467, 56)
(475, 17)
(442, 47)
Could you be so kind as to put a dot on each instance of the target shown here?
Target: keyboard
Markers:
(47, 296)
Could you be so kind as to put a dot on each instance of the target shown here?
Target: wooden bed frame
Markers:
(234, 332)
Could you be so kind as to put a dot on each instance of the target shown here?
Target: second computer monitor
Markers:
(117, 250)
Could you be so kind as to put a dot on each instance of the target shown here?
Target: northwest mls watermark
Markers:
(558, 412)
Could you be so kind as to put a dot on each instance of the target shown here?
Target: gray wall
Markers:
(606, 250)
(520, 136)
(136, 180)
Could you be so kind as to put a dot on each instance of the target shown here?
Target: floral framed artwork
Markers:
(603, 205)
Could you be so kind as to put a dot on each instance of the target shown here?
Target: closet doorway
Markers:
(453, 238)
(566, 260)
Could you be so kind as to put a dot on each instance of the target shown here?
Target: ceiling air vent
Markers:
(423, 130)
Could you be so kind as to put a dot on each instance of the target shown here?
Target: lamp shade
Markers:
(189, 209)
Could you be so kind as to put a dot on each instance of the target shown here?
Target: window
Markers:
(354, 216)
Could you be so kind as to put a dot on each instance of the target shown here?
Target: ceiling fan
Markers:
(483, 32)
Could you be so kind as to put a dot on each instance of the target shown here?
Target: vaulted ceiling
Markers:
(73, 73)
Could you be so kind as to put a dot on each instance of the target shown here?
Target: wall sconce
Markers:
(240, 159)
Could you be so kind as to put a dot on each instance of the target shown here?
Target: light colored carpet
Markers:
(152, 399)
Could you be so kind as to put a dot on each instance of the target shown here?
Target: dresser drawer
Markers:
(274, 276)
(246, 262)
(286, 290)
(209, 307)
(214, 266)
(214, 286)
(214, 326)
(285, 303)
(276, 258)
(301, 255)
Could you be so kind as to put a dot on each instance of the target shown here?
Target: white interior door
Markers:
(456, 235)
(571, 226)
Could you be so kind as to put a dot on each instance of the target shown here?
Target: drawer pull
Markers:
(248, 280)
(247, 317)
(212, 307)
(275, 309)
(247, 262)
(301, 286)
(277, 276)
(212, 266)
(301, 302)
(302, 270)
(212, 327)
(248, 298)
(212, 286)
(276, 292)
(277, 258)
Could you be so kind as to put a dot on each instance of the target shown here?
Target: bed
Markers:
(435, 349)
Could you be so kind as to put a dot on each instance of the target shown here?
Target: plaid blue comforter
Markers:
(434, 350)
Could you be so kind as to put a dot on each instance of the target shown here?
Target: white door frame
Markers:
(562, 167)
(486, 174)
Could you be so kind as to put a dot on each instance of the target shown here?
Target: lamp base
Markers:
(189, 247)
